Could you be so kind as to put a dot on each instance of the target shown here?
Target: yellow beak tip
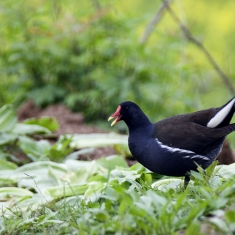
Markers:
(113, 123)
(110, 118)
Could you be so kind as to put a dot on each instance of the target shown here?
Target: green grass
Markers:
(135, 207)
(52, 193)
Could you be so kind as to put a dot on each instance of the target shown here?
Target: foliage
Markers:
(14, 135)
(89, 198)
(91, 61)
(102, 196)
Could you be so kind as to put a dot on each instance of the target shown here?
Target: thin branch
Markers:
(152, 24)
(190, 37)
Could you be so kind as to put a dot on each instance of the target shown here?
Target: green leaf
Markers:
(8, 118)
(230, 218)
(122, 149)
(6, 182)
(83, 170)
(35, 150)
(59, 150)
(136, 211)
(39, 175)
(8, 192)
(27, 129)
(122, 175)
(2, 225)
(211, 168)
(48, 122)
(167, 184)
(123, 207)
(66, 190)
(6, 138)
(194, 228)
(197, 175)
(226, 171)
(75, 155)
(101, 215)
(6, 178)
(195, 212)
(9, 157)
(94, 189)
(6, 165)
(26, 204)
(220, 224)
(139, 168)
(97, 140)
(146, 178)
(111, 162)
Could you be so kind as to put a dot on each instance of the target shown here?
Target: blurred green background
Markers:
(87, 55)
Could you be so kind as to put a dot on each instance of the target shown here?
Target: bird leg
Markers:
(186, 180)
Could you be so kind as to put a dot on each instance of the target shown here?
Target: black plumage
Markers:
(175, 145)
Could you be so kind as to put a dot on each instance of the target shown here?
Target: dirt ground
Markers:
(71, 123)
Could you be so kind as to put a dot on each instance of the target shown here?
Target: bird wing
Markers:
(188, 135)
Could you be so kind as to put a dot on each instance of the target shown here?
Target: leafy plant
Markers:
(113, 198)
(93, 67)
(15, 135)
(105, 195)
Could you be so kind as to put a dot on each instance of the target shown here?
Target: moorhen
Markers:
(175, 145)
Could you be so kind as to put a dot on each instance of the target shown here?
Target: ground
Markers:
(71, 123)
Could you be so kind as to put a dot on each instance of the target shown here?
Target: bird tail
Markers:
(228, 129)
(224, 116)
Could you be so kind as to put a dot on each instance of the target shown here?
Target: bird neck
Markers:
(138, 122)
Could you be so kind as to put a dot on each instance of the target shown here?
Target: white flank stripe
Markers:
(171, 149)
(187, 156)
(220, 116)
(197, 156)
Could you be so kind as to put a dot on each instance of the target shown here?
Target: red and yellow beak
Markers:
(116, 114)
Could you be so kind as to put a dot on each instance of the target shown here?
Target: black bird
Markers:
(172, 146)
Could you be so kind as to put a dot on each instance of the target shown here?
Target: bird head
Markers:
(125, 111)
